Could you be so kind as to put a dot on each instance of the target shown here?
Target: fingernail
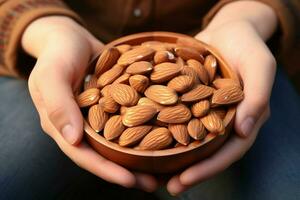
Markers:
(247, 126)
(68, 132)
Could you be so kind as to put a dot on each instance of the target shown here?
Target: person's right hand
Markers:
(63, 50)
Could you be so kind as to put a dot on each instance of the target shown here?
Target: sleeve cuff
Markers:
(15, 17)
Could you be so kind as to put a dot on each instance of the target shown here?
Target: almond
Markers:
(225, 82)
(88, 97)
(186, 70)
(161, 94)
(175, 114)
(97, 117)
(90, 82)
(157, 139)
(108, 103)
(200, 108)
(123, 110)
(164, 72)
(141, 67)
(136, 54)
(113, 127)
(221, 112)
(107, 59)
(187, 53)
(213, 123)
(181, 83)
(133, 135)
(123, 48)
(138, 115)
(148, 102)
(163, 56)
(155, 45)
(124, 78)
(110, 75)
(200, 70)
(180, 62)
(180, 133)
(198, 93)
(196, 129)
(139, 82)
(124, 94)
(211, 65)
(106, 90)
(227, 95)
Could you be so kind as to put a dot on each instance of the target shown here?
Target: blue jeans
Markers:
(33, 167)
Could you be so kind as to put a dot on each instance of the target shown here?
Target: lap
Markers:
(31, 164)
(270, 170)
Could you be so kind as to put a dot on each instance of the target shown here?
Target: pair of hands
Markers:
(64, 49)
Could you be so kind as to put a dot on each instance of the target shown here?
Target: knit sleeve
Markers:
(15, 16)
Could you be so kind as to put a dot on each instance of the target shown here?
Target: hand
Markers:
(241, 44)
(64, 49)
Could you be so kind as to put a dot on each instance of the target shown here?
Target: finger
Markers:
(233, 150)
(55, 89)
(145, 182)
(258, 77)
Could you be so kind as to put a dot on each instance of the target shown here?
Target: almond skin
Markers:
(109, 105)
(88, 97)
(200, 108)
(110, 75)
(227, 95)
(200, 70)
(113, 127)
(221, 112)
(211, 65)
(196, 129)
(123, 48)
(163, 56)
(139, 82)
(138, 115)
(225, 82)
(187, 53)
(180, 62)
(180, 133)
(186, 70)
(157, 139)
(124, 94)
(161, 94)
(137, 54)
(141, 67)
(107, 59)
(181, 83)
(175, 114)
(133, 135)
(213, 123)
(90, 82)
(148, 102)
(164, 72)
(97, 117)
(106, 90)
(124, 78)
(198, 93)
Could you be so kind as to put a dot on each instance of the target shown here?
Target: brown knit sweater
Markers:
(110, 19)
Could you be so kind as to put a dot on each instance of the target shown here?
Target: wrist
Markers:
(259, 15)
(37, 33)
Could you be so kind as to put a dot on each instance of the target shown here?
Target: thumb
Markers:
(258, 77)
(55, 88)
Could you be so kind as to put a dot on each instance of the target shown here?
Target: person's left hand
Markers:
(242, 45)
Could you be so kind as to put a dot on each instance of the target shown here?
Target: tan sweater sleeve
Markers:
(15, 15)
(286, 43)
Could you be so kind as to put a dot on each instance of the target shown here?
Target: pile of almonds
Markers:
(157, 95)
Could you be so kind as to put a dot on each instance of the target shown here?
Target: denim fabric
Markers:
(33, 167)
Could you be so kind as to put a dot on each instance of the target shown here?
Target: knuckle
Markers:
(55, 112)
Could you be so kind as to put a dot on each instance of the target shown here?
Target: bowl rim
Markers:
(172, 151)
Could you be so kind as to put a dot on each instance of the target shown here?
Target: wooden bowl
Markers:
(169, 160)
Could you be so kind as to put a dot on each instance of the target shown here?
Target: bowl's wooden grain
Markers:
(169, 160)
